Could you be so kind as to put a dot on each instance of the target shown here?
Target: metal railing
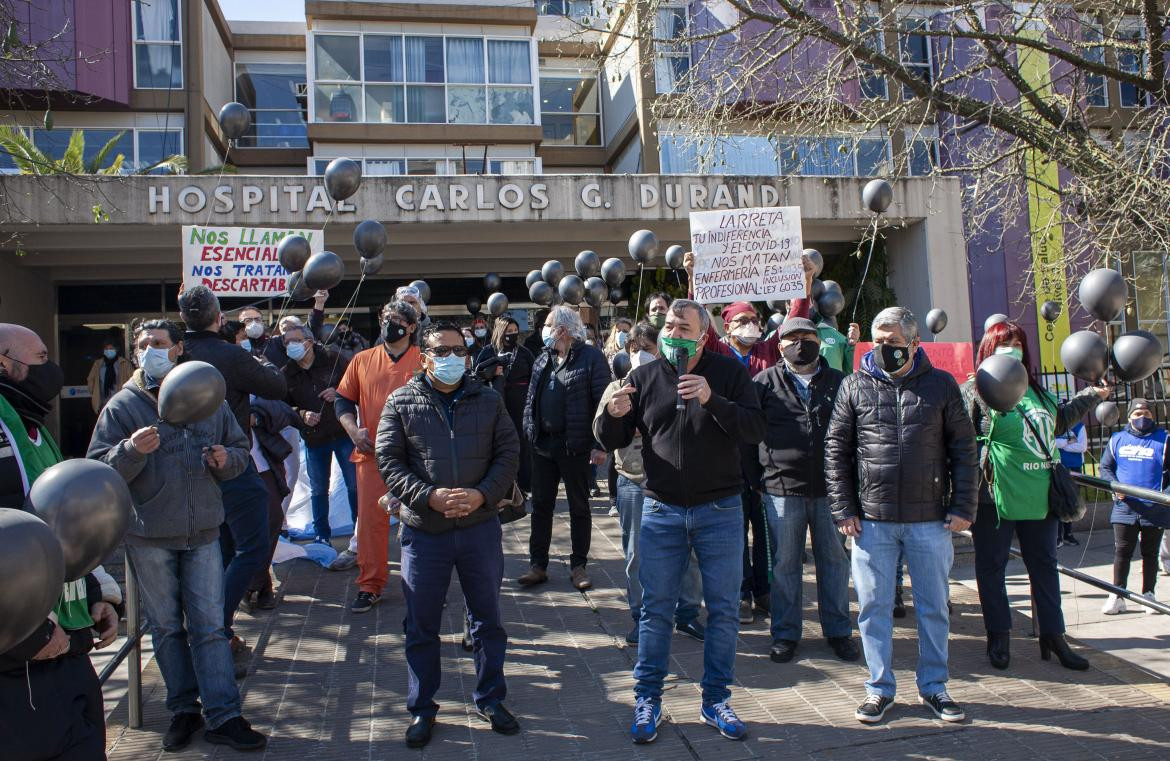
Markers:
(131, 649)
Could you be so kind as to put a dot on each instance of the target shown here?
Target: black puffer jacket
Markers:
(419, 451)
(906, 447)
(586, 376)
(244, 375)
(793, 450)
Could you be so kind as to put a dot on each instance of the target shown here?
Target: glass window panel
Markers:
(465, 59)
(337, 57)
(1149, 286)
(568, 95)
(509, 62)
(156, 20)
(587, 129)
(385, 167)
(383, 58)
(511, 105)
(670, 23)
(678, 156)
(319, 165)
(384, 104)
(744, 154)
(156, 145)
(825, 156)
(338, 103)
(558, 129)
(669, 70)
(425, 105)
(1134, 63)
(54, 142)
(424, 59)
(872, 156)
(466, 105)
(276, 129)
(873, 85)
(1095, 91)
(270, 85)
(424, 166)
(468, 166)
(158, 66)
(506, 166)
(923, 157)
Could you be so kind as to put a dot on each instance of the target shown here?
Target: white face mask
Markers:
(254, 329)
(643, 357)
(480, 332)
(156, 362)
(748, 334)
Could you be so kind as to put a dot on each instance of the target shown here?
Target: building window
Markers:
(570, 111)
(752, 155)
(1132, 61)
(275, 95)
(917, 51)
(1096, 94)
(1151, 293)
(834, 156)
(430, 167)
(399, 79)
(922, 153)
(673, 59)
(154, 145)
(578, 10)
(873, 85)
(158, 44)
(140, 148)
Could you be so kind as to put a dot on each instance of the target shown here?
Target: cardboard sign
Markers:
(747, 254)
(954, 358)
(239, 261)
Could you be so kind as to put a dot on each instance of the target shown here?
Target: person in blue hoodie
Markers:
(1135, 456)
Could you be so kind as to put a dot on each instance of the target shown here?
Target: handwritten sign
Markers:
(239, 261)
(747, 254)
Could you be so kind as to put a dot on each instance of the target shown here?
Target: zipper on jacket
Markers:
(451, 437)
(898, 391)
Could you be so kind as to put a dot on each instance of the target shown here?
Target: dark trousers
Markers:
(1128, 538)
(613, 477)
(475, 553)
(262, 581)
(993, 537)
(243, 538)
(68, 722)
(755, 554)
(547, 472)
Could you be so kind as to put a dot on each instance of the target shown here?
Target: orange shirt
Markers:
(370, 379)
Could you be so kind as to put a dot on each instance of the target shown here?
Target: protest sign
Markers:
(747, 254)
(239, 261)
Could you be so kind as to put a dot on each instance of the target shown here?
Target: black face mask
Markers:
(510, 340)
(892, 358)
(802, 353)
(32, 398)
(392, 332)
(1142, 425)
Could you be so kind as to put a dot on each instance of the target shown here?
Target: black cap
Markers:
(797, 325)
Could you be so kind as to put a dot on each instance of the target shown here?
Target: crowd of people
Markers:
(724, 454)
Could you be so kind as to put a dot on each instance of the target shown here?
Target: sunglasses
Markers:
(446, 351)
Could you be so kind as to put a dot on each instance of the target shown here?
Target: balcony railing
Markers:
(276, 129)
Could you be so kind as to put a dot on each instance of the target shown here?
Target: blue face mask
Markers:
(1142, 425)
(449, 370)
(546, 333)
(622, 337)
(295, 352)
(110, 353)
(156, 362)
(246, 345)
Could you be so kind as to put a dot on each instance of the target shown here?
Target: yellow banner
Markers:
(1044, 217)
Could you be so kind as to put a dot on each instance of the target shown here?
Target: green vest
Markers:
(1019, 464)
(72, 609)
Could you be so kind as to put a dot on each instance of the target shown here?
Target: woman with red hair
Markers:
(1016, 450)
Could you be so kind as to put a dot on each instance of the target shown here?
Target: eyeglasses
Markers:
(744, 319)
(446, 351)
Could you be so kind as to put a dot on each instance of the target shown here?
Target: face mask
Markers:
(546, 334)
(448, 370)
(295, 352)
(802, 353)
(392, 332)
(246, 345)
(657, 320)
(1014, 351)
(511, 339)
(1143, 425)
(747, 334)
(110, 353)
(480, 332)
(156, 362)
(678, 350)
(891, 358)
(32, 398)
(641, 358)
(469, 342)
(622, 338)
(254, 329)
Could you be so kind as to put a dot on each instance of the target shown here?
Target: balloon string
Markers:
(344, 313)
(218, 177)
(865, 272)
(638, 303)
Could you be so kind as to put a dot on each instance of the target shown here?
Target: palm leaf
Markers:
(25, 154)
(176, 164)
(96, 165)
(73, 160)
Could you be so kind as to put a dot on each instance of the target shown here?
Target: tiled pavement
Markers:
(327, 684)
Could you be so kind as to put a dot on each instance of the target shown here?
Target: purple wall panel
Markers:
(105, 49)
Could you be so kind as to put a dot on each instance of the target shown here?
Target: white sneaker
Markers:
(1113, 605)
(613, 511)
(1150, 596)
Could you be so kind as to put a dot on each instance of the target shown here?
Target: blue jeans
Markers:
(789, 520)
(243, 537)
(182, 593)
(929, 552)
(714, 532)
(629, 505)
(477, 555)
(317, 463)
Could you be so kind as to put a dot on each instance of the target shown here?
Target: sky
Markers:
(263, 10)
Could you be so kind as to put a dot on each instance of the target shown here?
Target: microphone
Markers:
(681, 358)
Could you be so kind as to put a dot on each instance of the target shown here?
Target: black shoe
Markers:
(595, 492)
(1056, 643)
(238, 734)
(266, 599)
(845, 648)
(873, 709)
(950, 608)
(501, 720)
(763, 604)
(418, 733)
(183, 727)
(782, 650)
(899, 605)
(632, 635)
(943, 707)
(693, 629)
(1070, 539)
(999, 649)
(364, 601)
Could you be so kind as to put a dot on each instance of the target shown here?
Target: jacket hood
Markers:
(921, 366)
(137, 384)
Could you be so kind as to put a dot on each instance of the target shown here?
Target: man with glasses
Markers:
(369, 380)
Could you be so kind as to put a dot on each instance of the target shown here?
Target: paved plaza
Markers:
(327, 684)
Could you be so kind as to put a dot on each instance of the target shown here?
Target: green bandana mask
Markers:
(673, 349)
(657, 321)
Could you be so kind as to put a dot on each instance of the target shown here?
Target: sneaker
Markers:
(237, 733)
(782, 650)
(746, 614)
(720, 716)
(595, 492)
(1113, 605)
(364, 601)
(632, 635)
(694, 630)
(1059, 542)
(1150, 596)
(613, 511)
(183, 727)
(943, 707)
(873, 709)
(1070, 539)
(647, 717)
(345, 560)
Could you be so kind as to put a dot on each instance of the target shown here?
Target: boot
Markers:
(1055, 643)
(999, 649)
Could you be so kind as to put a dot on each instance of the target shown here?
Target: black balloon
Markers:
(614, 271)
(833, 285)
(1136, 355)
(572, 289)
(595, 290)
(369, 238)
(497, 304)
(33, 570)
(674, 257)
(994, 319)
(473, 305)
(1050, 311)
(323, 271)
(1107, 413)
(1085, 355)
(234, 120)
(936, 321)
(371, 265)
(1103, 293)
(818, 288)
(1002, 381)
(830, 321)
(818, 261)
(541, 293)
(297, 290)
(533, 277)
(424, 290)
(616, 295)
(191, 392)
(587, 264)
(643, 246)
(621, 365)
(775, 321)
(552, 272)
(87, 505)
(342, 178)
(492, 282)
(877, 195)
(831, 303)
(778, 305)
(294, 251)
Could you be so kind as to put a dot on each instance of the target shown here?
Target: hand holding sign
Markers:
(748, 255)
